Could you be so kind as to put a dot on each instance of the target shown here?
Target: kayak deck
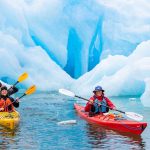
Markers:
(9, 120)
(122, 125)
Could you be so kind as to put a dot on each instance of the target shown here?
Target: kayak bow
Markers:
(9, 120)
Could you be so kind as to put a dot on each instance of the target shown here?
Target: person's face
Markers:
(98, 93)
(4, 92)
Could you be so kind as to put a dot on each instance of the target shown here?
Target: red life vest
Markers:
(6, 104)
(2, 103)
(100, 99)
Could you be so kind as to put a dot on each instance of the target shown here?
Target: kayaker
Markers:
(7, 103)
(98, 102)
(11, 90)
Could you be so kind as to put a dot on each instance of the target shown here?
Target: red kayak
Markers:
(112, 121)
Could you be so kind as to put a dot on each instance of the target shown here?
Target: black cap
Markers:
(3, 88)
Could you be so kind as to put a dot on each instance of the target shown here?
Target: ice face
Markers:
(107, 67)
(119, 75)
(16, 59)
(91, 30)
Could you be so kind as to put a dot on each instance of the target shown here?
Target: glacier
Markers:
(67, 43)
(16, 59)
(120, 75)
(90, 29)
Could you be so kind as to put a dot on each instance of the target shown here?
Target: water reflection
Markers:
(99, 137)
(4, 132)
(7, 137)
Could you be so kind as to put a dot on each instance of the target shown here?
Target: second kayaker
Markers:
(98, 102)
(12, 90)
(7, 103)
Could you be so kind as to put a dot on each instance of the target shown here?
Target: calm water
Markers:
(38, 128)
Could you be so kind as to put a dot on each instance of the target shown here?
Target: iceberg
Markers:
(16, 59)
(77, 44)
(120, 75)
(107, 67)
(77, 35)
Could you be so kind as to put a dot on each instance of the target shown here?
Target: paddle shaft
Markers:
(29, 91)
(16, 100)
(16, 83)
(20, 79)
(132, 115)
(101, 104)
(22, 96)
(13, 85)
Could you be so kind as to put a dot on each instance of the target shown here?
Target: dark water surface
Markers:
(38, 127)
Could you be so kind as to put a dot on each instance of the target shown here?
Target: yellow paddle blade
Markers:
(22, 77)
(30, 90)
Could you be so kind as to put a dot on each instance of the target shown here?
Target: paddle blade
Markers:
(31, 90)
(134, 116)
(66, 92)
(23, 77)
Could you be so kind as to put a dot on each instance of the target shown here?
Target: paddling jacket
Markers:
(7, 104)
(12, 90)
(101, 100)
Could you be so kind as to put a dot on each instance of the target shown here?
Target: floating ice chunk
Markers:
(67, 122)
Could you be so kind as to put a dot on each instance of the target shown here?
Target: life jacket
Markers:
(100, 106)
(2, 103)
(7, 105)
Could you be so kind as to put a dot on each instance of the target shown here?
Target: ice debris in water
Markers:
(67, 122)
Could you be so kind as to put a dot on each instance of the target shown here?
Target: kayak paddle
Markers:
(131, 115)
(29, 91)
(20, 79)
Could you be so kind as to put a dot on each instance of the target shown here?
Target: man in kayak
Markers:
(98, 103)
(7, 103)
(11, 90)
